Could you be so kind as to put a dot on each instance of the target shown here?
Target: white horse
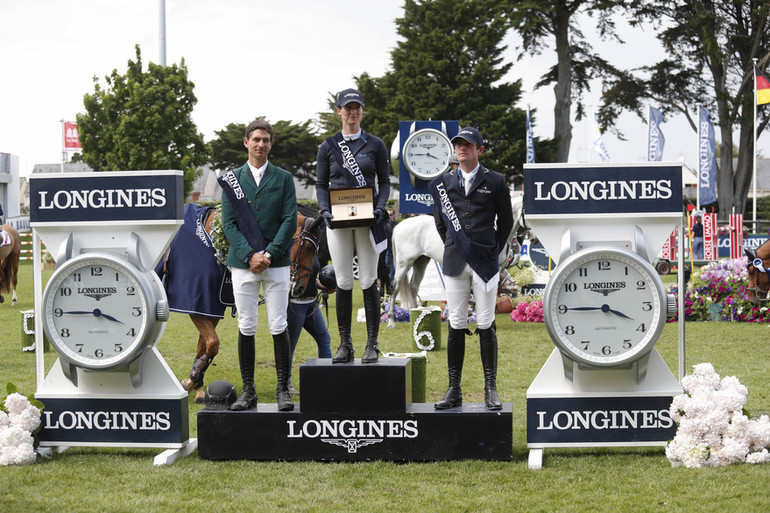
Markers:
(416, 241)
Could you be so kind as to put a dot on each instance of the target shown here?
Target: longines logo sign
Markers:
(599, 419)
(136, 421)
(352, 434)
(597, 190)
(106, 196)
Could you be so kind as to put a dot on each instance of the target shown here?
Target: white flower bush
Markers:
(19, 419)
(713, 429)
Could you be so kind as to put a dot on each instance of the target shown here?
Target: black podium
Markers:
(357, 412)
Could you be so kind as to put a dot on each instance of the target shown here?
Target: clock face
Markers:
(605, 307)
(426, 153)
(97, 311)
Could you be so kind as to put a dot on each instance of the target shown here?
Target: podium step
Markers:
(382, 387)
(420, 433)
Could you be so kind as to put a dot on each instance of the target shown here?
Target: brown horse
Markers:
(194, 286)
(9, 263)
(759, 279)
(303, 252)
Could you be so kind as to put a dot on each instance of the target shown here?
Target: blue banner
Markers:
(655, 139)
(707, 161)
(598, 143)
(415, 197)
(530, 141)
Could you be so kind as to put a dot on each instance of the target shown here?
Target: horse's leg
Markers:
(15, 274)
(399, 285)
(208, 348)
(418, 272)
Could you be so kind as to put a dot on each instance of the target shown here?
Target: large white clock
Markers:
(426, 153)
(605, 307)
(101, 311)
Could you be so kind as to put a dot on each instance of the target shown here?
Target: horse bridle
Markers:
(758, 292)
(305, 236)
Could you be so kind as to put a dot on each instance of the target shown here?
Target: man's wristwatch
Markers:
(268, 255)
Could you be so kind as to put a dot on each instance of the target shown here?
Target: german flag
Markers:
(763, 87)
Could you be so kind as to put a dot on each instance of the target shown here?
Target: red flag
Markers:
(71, 140)
(763, 87)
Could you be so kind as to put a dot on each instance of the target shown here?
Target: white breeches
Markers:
(275, 283)
(343, 242)
(458, 290)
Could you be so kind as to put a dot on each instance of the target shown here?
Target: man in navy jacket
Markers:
(472, 209)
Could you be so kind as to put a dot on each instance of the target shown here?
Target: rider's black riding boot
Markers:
(488, 343)
(372, 310)
(248, 397)
(345, 352)
(455, 354)
(282, 350)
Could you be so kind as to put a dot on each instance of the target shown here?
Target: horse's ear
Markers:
(750, 254)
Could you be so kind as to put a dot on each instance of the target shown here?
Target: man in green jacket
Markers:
(259, 217)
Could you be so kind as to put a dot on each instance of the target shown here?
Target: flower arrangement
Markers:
(713, 429)
(19, 422)
(402, 314)
(221, 244)
(719, 290)
(528, 312)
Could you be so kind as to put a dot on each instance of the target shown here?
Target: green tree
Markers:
(711, 46)
(540, 23)
(449, 65)
(143, 120)
(295, 147)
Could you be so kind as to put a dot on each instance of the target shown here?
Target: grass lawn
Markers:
(625, 479)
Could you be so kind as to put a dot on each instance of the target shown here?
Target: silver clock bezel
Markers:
(149, 296)
(418, 133)
(551, 297)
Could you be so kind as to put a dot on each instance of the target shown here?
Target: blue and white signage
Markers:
(602, 190)
(606, 420)
(107, 196)
(115, 421)
(415, 198)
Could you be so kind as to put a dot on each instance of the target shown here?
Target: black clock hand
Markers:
(603, 308)
(96, 313)
(99, 313)
(432, 156)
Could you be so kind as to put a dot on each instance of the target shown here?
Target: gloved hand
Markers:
(327, 216)
(380, 215)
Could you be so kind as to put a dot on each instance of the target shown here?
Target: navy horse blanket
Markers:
(196, 284)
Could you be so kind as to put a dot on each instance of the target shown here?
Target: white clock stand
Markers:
(571, 403)
(141, 403)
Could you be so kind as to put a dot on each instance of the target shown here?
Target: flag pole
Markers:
(697, 116)
(649, 120)
(754, 169)
(63, 153)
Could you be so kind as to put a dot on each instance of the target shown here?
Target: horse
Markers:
(207, 281)
(302, 254)
(758, 279)
(9, 262)
(303, 251)
(416, 241)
